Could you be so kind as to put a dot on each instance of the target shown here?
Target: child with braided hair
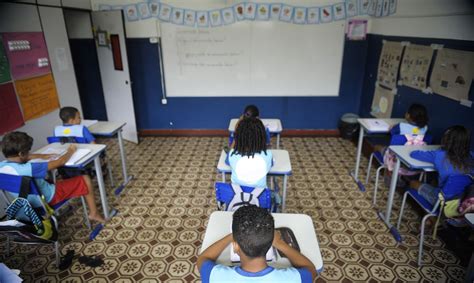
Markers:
(249, 159)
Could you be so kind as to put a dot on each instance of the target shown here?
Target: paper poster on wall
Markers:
(4, 67)
(27, 54)
(10, 114)
(452, 74)
(37, 95)
(415, 65)
(382, 104)
(389, 62)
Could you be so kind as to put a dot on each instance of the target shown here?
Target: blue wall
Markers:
(443, 112)
(86, 67)
(215, 112)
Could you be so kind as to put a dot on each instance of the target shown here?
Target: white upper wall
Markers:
(453, 19)
(78, 24)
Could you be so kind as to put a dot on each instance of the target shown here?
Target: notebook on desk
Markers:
(77, 156)
(377, 125)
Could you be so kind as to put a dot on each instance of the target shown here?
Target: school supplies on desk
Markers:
(56, 152)
(377, 125)
(288, 237)
(77, 156)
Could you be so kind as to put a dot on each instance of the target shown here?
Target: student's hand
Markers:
(72, 148)
(277, 240)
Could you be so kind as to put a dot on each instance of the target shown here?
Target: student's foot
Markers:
(96, 217)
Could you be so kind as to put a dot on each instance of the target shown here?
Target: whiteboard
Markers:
(253, 59)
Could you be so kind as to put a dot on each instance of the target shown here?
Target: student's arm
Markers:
(213, 251)
(63, 159)
(40, 156)
(88, 136)
(296, 258)
(395, 130)
(427, 156)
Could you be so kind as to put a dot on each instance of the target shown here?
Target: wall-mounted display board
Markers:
(10, 114)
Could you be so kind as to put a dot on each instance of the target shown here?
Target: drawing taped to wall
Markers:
(389, 63)
(382, 103)
(415, 65)
(452, 73)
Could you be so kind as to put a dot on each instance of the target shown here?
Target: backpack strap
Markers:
(242, 198)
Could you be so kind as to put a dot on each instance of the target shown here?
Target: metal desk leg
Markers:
(278, 141)
(103, 193)
(126, 178)
(355, 172)
(223, 177)
(391, 194)
(283, 201)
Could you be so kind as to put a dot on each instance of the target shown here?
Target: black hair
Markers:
(251, 111)
(456, 142)
(253, 229)
(15, 143)
(67, 113)
(418, 115)
(250, 137)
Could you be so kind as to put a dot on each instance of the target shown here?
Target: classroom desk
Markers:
(402, 153)
(364, 127)
(275, 129)
(281, 166)
(470, 268)
(219, 225)
(93, 156)
(110, 129)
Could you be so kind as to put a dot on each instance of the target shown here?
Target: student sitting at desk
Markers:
(72, 127)
(16, 147)
(250, 111)
(250, 160)
(453, 158)
(253, 233)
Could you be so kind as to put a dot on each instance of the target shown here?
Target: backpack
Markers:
(467, 202)
(232, 196)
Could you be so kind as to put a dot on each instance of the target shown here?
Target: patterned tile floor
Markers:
(164, 211)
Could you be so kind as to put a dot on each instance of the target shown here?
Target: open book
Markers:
(77, 156)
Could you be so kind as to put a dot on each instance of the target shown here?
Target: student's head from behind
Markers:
(456, 142)
(251, 111)
(17, 144)
(417, 114)
(70, 115)
(253, 229)
(250, 137)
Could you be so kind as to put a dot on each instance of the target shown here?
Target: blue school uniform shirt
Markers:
(441, 164)
(250, 171)
(79, 131)
(408, 129)
(217, 273)
(36, 170)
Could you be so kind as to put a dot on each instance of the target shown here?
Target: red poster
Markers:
(27, 54)
(10, 114)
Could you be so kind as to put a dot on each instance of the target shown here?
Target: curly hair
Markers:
(253, 229)
(456, 142)
(251, 111)
(15, 143)
(250, 137)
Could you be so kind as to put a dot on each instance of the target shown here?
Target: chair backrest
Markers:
(232, 196)
(455, 186)
(402, 140)
(14, 183)
(66, 139)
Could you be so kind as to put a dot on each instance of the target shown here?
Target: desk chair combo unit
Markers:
(27, 233)
(453, 188)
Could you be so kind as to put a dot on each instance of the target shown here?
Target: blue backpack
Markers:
(232, 196)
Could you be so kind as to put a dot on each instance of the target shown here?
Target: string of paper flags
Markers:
(250, 11)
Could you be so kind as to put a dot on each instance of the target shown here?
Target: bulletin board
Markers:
(38, 96)
(10, 114)
(415, 65)
(389, 63)
(452, 73)
(382, 103)
(27, 54)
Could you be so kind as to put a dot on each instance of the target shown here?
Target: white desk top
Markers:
(403, 153)
(364, 122)
(274, 125)
(281, 163)
(96, 149)
(105, 128)
(470, 219)
(301, 224)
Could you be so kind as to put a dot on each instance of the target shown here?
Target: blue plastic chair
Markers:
(225, 194)
(395, 140)
(12, 184)
(452, 189)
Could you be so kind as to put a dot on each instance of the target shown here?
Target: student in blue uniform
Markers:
(72, 127)
(453, 158)
(416, 122)
(253, 233)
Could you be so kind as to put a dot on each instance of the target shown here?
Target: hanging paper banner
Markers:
(27, 54)
(154, 8)
(415, 65)
(165, 13)
(239, 12)
(275, 10)
(386, 8)
(379, 8)
(250, 11)
(189, 18)
(339, 11)
(393, 7)
(300, 16)
(131, 13)
(351, 8)
(326, 14)
(215, 18)
(144, 11)
(228, 16)
(286, 13)
(10, 114)
(37, 96)
(177, 16)
(364, 7)
(4, 67)
(202, 19)
(372, 7)
(263, 12)
(313, 16)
